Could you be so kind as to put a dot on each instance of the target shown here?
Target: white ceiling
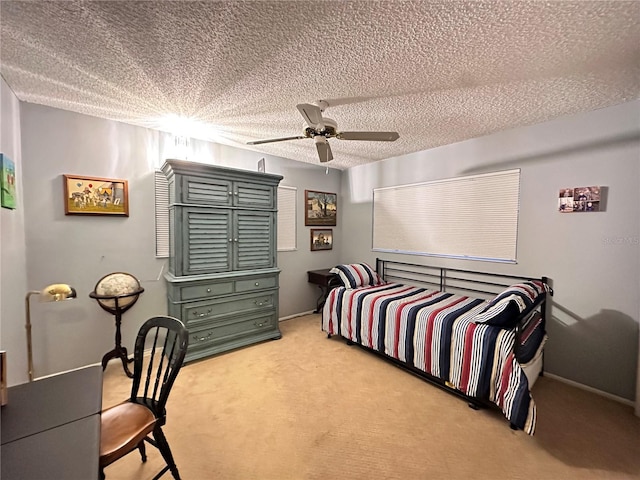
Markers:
(435, 72)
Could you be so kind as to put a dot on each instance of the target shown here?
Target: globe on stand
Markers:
(116, 293)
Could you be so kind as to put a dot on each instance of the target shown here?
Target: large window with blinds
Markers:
(473, 217)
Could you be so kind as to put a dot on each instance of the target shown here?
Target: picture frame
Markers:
(321, 239)
(7, 182)
(320, 208)
(95, 196)
(581, 199)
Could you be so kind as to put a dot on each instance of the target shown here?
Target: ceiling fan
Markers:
(322, 128)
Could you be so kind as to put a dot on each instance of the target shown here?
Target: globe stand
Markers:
(119, 351)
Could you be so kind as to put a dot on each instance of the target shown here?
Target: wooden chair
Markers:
(128, 425)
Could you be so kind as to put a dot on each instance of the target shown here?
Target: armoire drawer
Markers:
(257, 283)
(224, 332)
(205, 290)
(215, 310)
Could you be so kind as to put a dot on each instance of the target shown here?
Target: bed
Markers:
(478, 335)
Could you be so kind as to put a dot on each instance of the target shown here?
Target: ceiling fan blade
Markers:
(324, 150)
(372, 136)
(258, 142)
(312, 114)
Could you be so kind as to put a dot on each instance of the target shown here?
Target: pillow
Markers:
(504, 309)
(356, 275)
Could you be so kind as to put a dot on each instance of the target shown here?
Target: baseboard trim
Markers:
(582, 386)
(295, 315)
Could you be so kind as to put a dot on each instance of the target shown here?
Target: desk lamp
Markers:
(53, 293)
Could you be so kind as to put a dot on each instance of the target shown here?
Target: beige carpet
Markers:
(307, 407)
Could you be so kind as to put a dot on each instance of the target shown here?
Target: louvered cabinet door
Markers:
(208, 240)
(252, 195)
(253, 240)
(207, 191)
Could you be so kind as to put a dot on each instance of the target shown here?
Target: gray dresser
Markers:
(223, 279)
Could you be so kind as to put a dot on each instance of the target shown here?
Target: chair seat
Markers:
(122, 428)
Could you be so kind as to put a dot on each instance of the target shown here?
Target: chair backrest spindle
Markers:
(170, 337)
(158, 370)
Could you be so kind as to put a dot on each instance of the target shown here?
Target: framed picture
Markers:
(8, 182)
(95, 196)
(320, 209)
(580, 199)
(321, 239)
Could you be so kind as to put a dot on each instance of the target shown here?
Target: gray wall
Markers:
(593, 259)
(79, 250)
(13, 276)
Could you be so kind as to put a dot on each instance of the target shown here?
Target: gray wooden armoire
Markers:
(223, 279)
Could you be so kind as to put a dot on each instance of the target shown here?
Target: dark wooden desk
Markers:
(51, 427)
(321, 278)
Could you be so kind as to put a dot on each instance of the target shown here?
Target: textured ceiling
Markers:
(435, 72)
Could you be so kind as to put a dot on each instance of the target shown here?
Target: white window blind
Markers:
(162, 215)
(474, 217)
(287, 201)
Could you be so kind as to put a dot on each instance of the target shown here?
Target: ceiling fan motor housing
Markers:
(328, 129)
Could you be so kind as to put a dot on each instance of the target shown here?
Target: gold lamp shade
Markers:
(57, 292)
(52, 293)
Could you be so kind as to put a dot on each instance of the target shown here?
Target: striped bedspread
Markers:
(433, 332)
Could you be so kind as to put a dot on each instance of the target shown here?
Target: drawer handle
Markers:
(202, 339)
(261, 303)
(196, 314)
(257, 284)
(260, 324)
(208, 290)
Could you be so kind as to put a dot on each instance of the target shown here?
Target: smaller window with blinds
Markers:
(287, 202)
(474, 217)
(162, 215)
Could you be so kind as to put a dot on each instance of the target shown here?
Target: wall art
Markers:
(8, 182)
(321, 239)
(580, 199)
(95, 196)
(321, 209)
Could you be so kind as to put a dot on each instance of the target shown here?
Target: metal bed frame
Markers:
(478, 284)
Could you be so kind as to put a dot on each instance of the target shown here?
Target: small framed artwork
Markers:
(321, 239)
(95, 196)
(8, 182)
(580, 199)
(321, 209)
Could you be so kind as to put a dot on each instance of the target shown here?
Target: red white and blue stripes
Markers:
(354, 275)
(505, 307)
(435, 332)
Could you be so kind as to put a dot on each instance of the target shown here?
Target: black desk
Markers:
(51, 427)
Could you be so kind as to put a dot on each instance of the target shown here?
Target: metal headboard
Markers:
(448, 279)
